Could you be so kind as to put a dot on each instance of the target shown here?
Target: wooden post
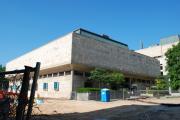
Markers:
(33, 89)
(23, 96)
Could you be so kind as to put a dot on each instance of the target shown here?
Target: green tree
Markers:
(2, 69)
(3, 81)
(98, 75)
(161, 83)
(107, 77)
(173, 66)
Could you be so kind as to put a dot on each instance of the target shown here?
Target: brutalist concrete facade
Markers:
(91, 52)
(68, 59)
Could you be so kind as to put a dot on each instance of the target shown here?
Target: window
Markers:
(78, 73)
(68, 73)
(87, 74)
(44, 76)
(161, 73)
(157, 56)
(49, 75)
(148, 81)
(61, 73)
(161, 67)
(56, 86)
(45, 86)
(55, 74)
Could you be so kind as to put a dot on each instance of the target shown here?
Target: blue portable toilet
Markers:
(105, 95)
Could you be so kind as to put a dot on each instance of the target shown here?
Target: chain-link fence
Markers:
(154, 93)
(96, 95)
(120, 94)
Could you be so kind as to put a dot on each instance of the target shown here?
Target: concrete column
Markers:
(73, 82)
(72, 72)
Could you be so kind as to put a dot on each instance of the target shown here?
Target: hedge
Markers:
(84, 90)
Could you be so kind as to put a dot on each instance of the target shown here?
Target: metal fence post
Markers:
(123, 93)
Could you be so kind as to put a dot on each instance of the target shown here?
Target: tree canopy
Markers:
(2, 79)
(2, 69)
(107, 77)
(173, 66)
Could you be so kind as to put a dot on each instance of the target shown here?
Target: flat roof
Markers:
(101, 36)
(170, 39)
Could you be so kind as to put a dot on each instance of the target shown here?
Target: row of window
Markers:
(161, 68)
(78, 73)
(157, 57)
(56, 86)
(55, 74)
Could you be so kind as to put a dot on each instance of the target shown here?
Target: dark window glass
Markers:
(161, 73)
(49, 75)
(45, 86)
(78, 73)
(61, 73)
(56, 86)
(87, 74)
(161, 67)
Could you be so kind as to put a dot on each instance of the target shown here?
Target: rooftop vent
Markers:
(105, 36)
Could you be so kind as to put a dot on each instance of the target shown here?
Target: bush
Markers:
(84, 90)
(161, 83)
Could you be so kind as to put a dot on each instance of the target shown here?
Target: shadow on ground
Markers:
(130, 112)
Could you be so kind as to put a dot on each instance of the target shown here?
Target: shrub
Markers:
(84, 90)
(161, 83)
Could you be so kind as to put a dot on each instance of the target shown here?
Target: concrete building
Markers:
(67, 61)
(158, 51)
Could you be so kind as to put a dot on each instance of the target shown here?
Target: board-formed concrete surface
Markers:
(90, 52)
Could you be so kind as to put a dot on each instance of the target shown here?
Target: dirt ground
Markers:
(144, 109)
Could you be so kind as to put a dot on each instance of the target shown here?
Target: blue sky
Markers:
(28, 24)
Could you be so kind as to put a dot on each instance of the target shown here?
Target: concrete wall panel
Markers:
(90, 52)
(55, 53)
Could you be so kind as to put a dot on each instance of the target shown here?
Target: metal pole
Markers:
(170, 90)
(33, 89)
(23, 96)
(123, 93)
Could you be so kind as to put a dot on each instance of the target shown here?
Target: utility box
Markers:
(105, 95)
